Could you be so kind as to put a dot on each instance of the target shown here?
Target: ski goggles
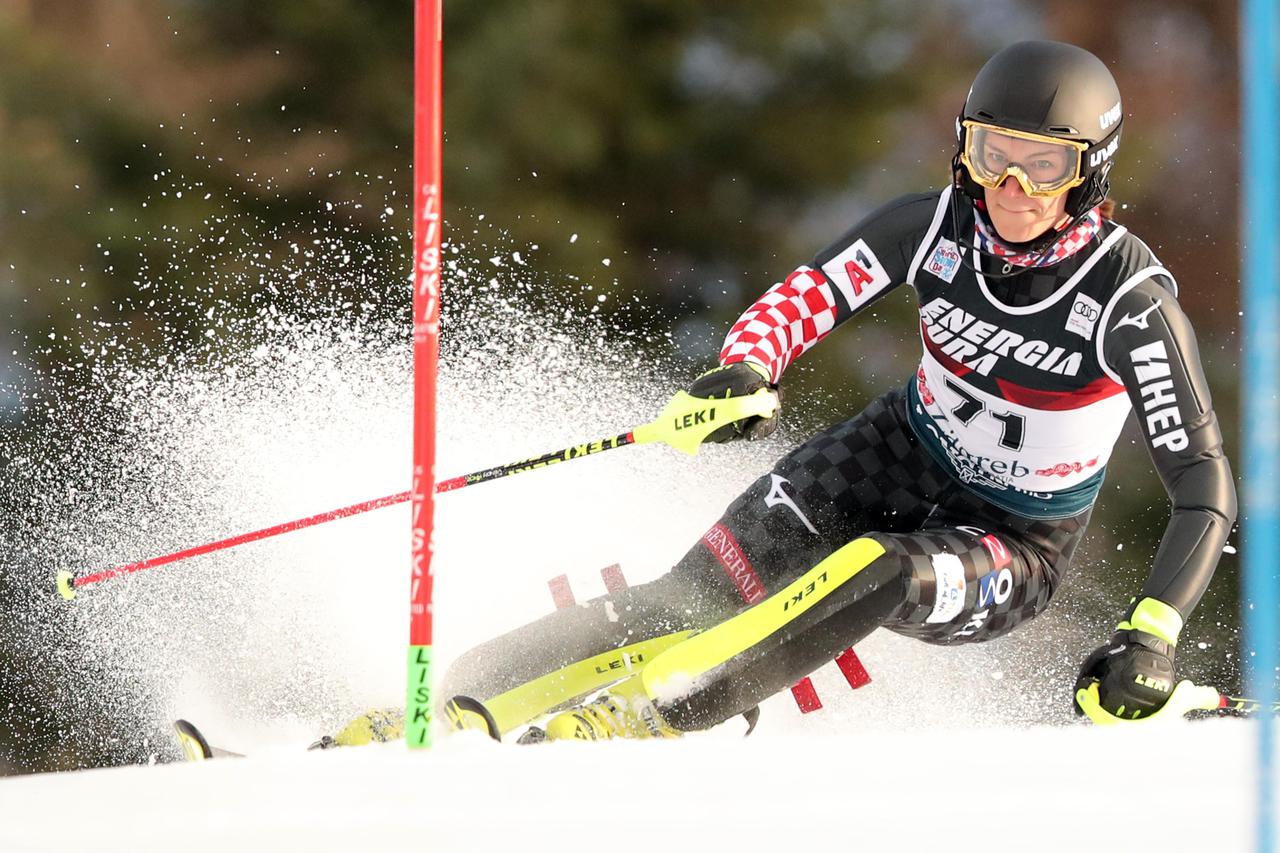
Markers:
(1044, 166)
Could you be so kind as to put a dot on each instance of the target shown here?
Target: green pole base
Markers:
(417, 708)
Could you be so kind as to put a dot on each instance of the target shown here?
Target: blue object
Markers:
(1260, 232)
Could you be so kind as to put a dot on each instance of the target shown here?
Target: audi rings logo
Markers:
(1084, 315)
(1089, 312)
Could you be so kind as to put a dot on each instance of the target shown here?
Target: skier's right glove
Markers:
(736, 380)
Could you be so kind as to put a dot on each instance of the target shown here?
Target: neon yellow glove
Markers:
(1132, 676)
(1185, 697)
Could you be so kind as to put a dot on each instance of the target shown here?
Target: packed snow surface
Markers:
(1183, 788)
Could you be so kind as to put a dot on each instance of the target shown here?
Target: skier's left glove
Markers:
(737, 380)
(1134, 671)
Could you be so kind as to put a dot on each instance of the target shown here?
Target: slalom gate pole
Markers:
(684, 424)
(428, 137)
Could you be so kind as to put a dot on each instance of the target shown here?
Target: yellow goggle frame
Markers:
(1038, 189)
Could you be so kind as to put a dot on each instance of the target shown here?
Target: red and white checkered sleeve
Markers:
(787, 321)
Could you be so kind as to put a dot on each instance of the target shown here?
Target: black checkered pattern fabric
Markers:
(867, 476)
(1034, 285)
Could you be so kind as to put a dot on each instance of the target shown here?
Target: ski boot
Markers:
(379, 725)
(194, 745)
(623, 710)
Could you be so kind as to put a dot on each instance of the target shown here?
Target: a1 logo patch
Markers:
(857, 273)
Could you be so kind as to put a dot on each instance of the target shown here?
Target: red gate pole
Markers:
(427, 139)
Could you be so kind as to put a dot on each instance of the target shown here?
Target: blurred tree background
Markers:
(690, 153)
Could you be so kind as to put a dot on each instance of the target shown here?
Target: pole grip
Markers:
(686, 421)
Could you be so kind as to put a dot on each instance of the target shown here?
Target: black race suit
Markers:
(976, 478)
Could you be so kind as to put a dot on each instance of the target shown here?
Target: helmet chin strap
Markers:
(1007, 270)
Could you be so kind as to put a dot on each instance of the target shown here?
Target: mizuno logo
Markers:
(1138, 322)
(778, 496)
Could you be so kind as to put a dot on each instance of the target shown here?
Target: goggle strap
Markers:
(1105, 143)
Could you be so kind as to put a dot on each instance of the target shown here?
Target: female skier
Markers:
(947, 510)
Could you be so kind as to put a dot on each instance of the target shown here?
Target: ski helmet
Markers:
(1050, 91)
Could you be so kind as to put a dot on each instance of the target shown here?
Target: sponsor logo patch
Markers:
(728, 553)
(999, 553)
(922, 386)
(1110, 117)
(995, 588)
(1160, 413)
(1066, 469)
(857, 273)
(1105, 154)
(1138, 322)
(980, 345)
(777, 495)
(948, 588)
(972, 468)
(1084, 316)
(975, 623)
(944, 261)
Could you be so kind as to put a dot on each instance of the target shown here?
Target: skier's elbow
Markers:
(1207, 486)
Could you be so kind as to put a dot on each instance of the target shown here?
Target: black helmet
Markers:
(1055, 90)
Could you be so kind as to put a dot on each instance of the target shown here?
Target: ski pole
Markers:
(1185, 698)
(1243, 706)
(684, 424)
